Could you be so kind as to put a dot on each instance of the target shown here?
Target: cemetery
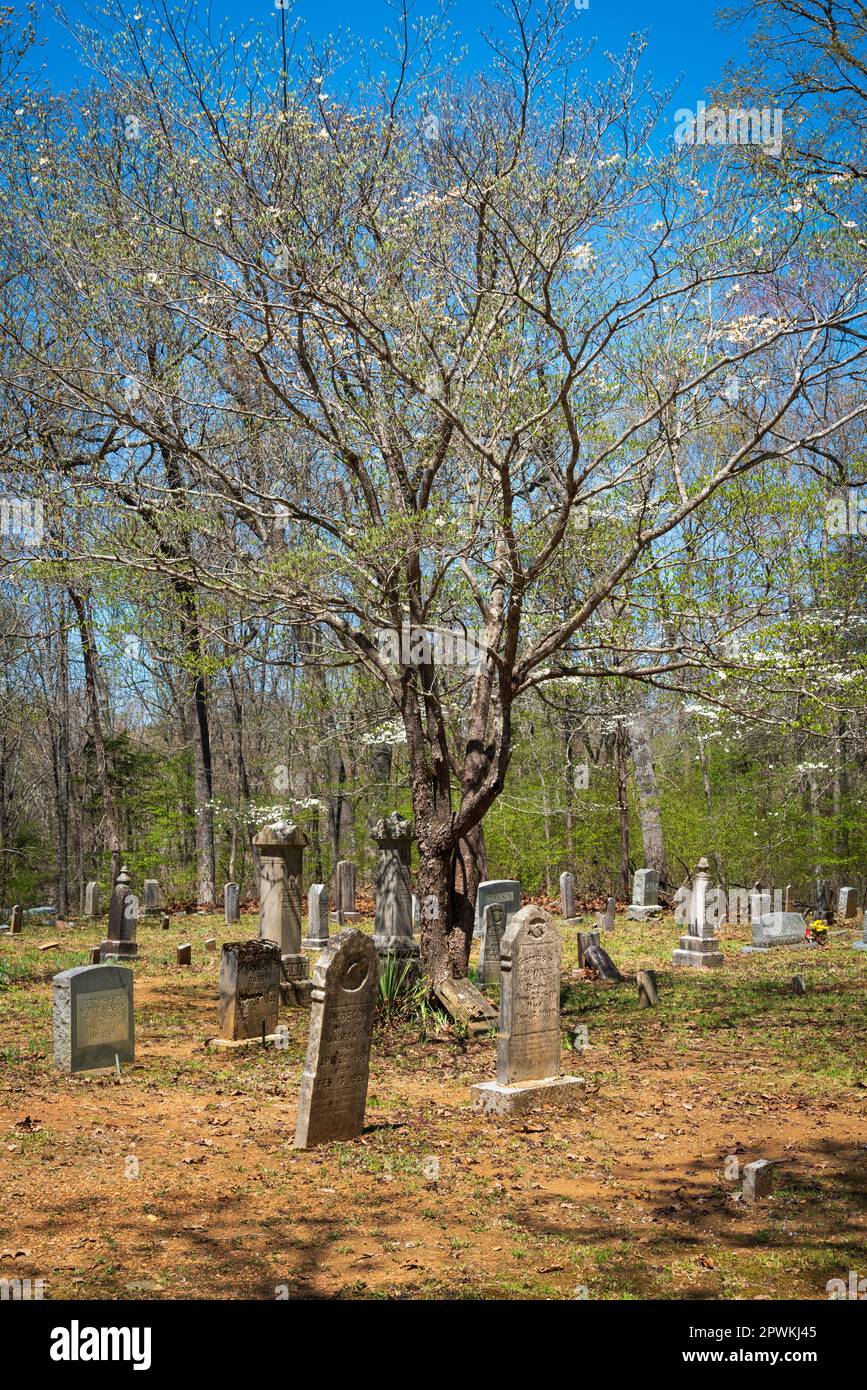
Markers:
(433, 848)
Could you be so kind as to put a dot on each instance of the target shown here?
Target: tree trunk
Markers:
(620, 745)
(88, 651)
(649, 813)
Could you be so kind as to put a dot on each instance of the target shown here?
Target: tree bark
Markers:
(650, 816)
(89, 655)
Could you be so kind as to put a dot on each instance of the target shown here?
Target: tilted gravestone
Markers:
(497, 890)
(150, 896)
(281, 847)
(847, 903)
(317, 917)
(249, 989)
(184, 953)
(392, 936)
(779, 929)
(344, 889)
(493, 929)
(16, 921)
(336, 1070)
(123, 912)
(700, 947)
(528, 1044)
(596, 955)
(91, 899)
(648, 989)
(232, 903)
(645, 895)
(586, 939)
(93, 1017)
(567, 896)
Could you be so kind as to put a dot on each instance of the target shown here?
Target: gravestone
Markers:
(493, 928)
(16, 921)
(150, 895)
(281, 847)
(416, 920)
(789, 900)
(605, 920)
(249, 987)
(210, 943)
(596, 955)
(700, 948)
(528, 1044)
(94, 955)
(645, 895)
(862, 944)
(586, 939)
(779, 929)
(648, 989)
(317, 917)
(232, 903)
(184, 954)
(123, 911)
(91, 899)
(822, 899)
(760, 902)
(93, 1017)
(467, 1005)
(758, 1180)
(847, 903)
(497, 890)
(344, 889)
(336, 1070)
(567, 896)
(392, 936)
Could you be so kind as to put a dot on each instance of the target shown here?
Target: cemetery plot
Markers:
(637, 1193)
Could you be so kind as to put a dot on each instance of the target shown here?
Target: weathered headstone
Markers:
(93, 1017)
(91, 899)
(789, 898)
(94, 955)
(184, 954)
(392, 936)
(165, 922)
(528, 1045)
(281, 847)
(493, 929)
(317, 917)
(344, 889)
(847, 903)
(605, 920)
(16, 921)
(822, 899)
(150, 896)
(758, 1180)
(648, 989)
(567, 896)
(210, 943)
(123, 912)
(586, 939)
(497, 890)
(249, 989)
(645, 895)
(596, 955)
(779, 929)
(467, 1005)
(232, 903)
(700, 947)
(798, 984)
(336, 1070)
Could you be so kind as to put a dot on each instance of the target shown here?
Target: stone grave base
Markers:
(296, 994)
(118, 950)
(699, 951)
(314, 943)
(494, 1099)
(241, 1042)
(635, 913)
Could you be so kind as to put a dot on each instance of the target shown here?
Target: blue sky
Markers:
(684, 40)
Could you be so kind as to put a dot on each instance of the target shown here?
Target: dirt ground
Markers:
(179, 1179)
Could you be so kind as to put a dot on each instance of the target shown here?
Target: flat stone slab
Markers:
(463, 1002)
(243, 1042)
(635, 913)
(492, 1098)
